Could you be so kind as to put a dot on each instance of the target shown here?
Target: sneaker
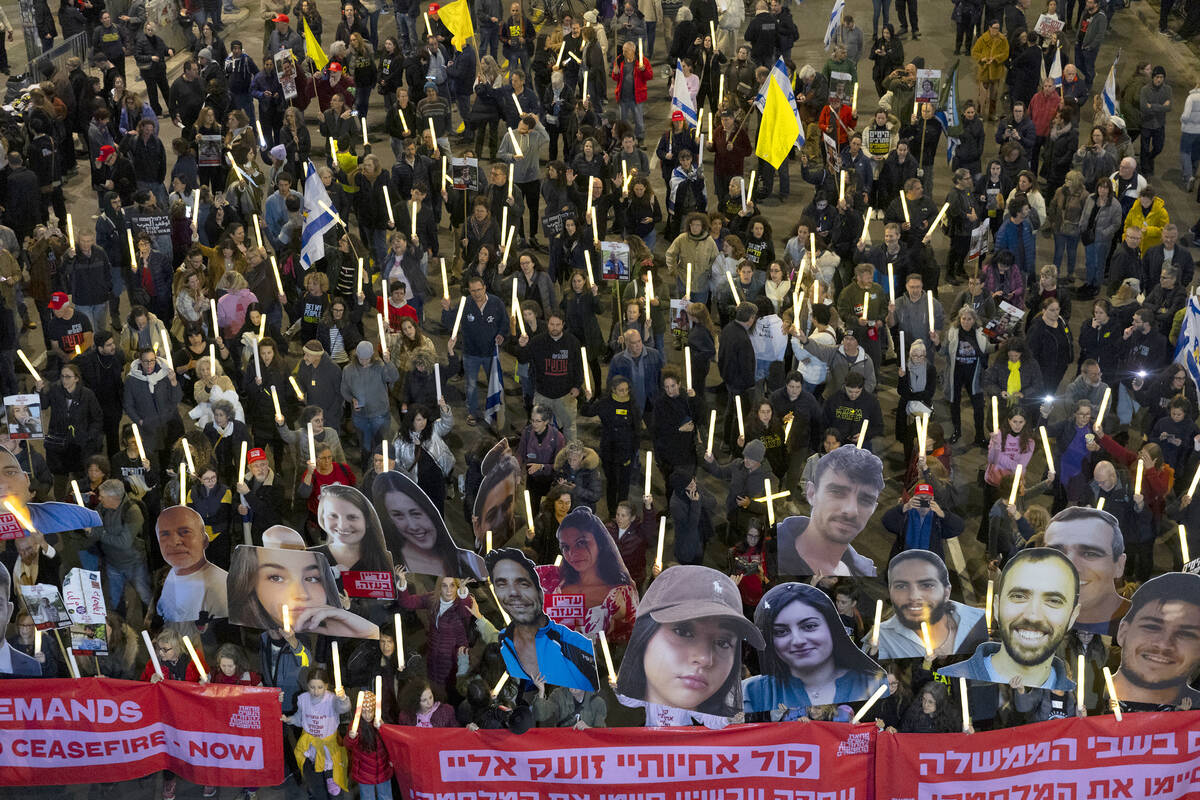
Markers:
(332, 787)
(168, 792)
(1191, 184)
(210, 791)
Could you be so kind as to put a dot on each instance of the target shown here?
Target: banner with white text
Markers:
(1148, 755)
(782, 761)
(97, 729)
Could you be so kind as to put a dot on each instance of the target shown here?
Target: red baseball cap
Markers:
(923, 489)
(433, 9)
(676, 116)
(255, 454)
(58, 300)
(281, 18)
(335, 66)
(105, 151)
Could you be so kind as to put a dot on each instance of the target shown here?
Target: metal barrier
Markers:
(77, 45)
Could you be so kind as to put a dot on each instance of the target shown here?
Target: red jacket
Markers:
(1042, 108)
(191, 676)
(1156, 481)
(368, 767)
(827, 123)
(642, 74)
(726, 161)
(633, 545)
(247, 678)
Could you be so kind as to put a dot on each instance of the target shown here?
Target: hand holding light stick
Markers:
(137, 438)
(382, 337)
(242, 463)
(153, 654)
(275, 402)
(462, 304)
(1046, 447)
(29, 365)
(732, 288)
(445, 282)
(936, 221)
(437, 382)
(1079, 682)
(187, 456)
(929, 309)
(1137, 480)
(312, 447)
(687, 367)
(387, 202)
(749, 193)
(649, 465)
(904, 208)
(996, 411)
(1112, 694)
(296, 388)
(1104, 407)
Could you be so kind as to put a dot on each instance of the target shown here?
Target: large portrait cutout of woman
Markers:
(685, 651)
(495, 502)
(590, 589)
(354, 540)
(808, 659)
(416, 534)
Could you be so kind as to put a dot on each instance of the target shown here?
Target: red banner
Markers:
(99, 729)
(1094, 758)
(783, 761)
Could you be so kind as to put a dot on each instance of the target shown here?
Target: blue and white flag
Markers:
(1109, 94)
(493, 407)
(681, 99)
(319, 217)
(947, 113)
(1187, 352)
(1056, 68)
(835, 19)
(779, 74)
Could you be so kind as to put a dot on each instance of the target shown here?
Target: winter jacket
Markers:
(995, 379)
(841, 365)
(368, 385)
(588, 484)
(982, 348)
(75, 419)
(542, 451)
(1152, 223)
(642, 532)
(446, 633)
(642, 74)
(88, 277)
(153, 403)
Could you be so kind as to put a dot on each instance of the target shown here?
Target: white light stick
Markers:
(445, 282)
(29, 365)
(383, 288)
(387, 201)
(862, 433)
(937, 220)
(287, 618)
(1137, 480)
(358, 704)
(1016, 486)
(75, 489)
(712, 427)
(187, 456)
(585, 84)
(866, 303)
(378, 700)
(382, 337)
(503, 221)
(891, 284)
(927, 639)
(212, 357)
(510, 180)
(608, 662)
(842, 187)
(275, 272)
(414, 221)
(383, 447)
(71, 225)
(517, 103)
(878, 621)
(399, 642)
(195, 210)
(1112, 694)
(516, 147)
(1079, 681)
(732, 288)
(1100, 419)
(37, 641)
(428, 27)
(641, 55)
(487, 547)
(242, 463)
(212, 309)
(587, 260)
(437, 379)
(854, 101)
(595, 227)
(296, 388)
(987, 615)
(312, 446)
(904, 206)
(257, 230)
(687, 366)
(1183, 546)
(587, 373)
(649, 464)
(337, 668)
(662, 536)
(262, 140)
(770, 502)
(749, 193)
(797, 307)
(903, 352)
(720, 92)
(874, 698)
(966, 711)
(433, 133)
(996, 411)
(153, 653)
(500, 684)
(737, 402)
(1100, 504)
(462, 304)
(929, 309)
(132, 249)
(1046, 447)
(187, 642)
(137, 438)
(257, 358)
(528, 510)
(364, 127)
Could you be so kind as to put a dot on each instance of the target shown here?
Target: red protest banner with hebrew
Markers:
(1095, 758)
(97, 729)
(783, 761)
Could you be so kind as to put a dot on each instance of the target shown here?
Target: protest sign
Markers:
(56, 731)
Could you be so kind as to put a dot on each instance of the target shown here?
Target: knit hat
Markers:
(1159, 70)
(313, 347)
(1118, 121)
(205, 52)
(754, 451)
(364, 350)
(255, 454)
(279, 152)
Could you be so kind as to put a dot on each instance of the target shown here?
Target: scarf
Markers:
(425, 719)
(917, 375)
(1014, 380)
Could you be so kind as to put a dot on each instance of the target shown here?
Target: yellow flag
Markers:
(456, 17)
(778, 131)
(312, 47)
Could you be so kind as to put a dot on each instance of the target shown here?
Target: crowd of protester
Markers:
(187, 310)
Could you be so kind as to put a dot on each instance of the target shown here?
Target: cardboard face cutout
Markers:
(194, 590)
(843, 494)
(1092, 540)
(267, 579)
(686, 648)
(495, 503)
(804, 635)
(565, 657)
(354, 543)
(20, 665)
(1160, 644)
(1037, 601)
(415, 534)
(589, 559)
(919, 591)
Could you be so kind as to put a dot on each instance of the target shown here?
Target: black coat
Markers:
(735, 358)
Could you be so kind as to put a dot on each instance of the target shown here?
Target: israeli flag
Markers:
(1109, 95)
(1056, 68)
(318, 218)
(680, 98)
(1187, 352)
(493, 407)
(835, 19)
(779, 74)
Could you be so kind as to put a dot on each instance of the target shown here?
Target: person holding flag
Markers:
(779, 130)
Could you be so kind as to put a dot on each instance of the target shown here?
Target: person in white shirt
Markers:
(195, 588)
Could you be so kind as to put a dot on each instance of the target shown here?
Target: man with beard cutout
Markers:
(1160, 645)
(532, 644)
(919, 587)
(1036, 604)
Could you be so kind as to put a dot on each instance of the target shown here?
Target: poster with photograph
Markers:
(268, 580)
(464, 172)
(833, 158)
(285, 68)
(1037, 601)
(194, 589)
(979, 245)
(688, 608)
(807, 655)
(1156, 670)
(23, 416)
(589, 589)
(615, 261)
(841, 84)
(928, 82)
(84, 597)
(353, 542)
(208, 151)
(563, 657)
(806, 543)
(679, 318)
(89, 640)
(494, 508)
(46, 606)
(918, 586)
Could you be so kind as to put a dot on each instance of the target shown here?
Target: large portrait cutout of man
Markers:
(1092, 539)
(1160, 644)
(919, 590)
(1037, 602)
(844, 493)
(195, 588)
